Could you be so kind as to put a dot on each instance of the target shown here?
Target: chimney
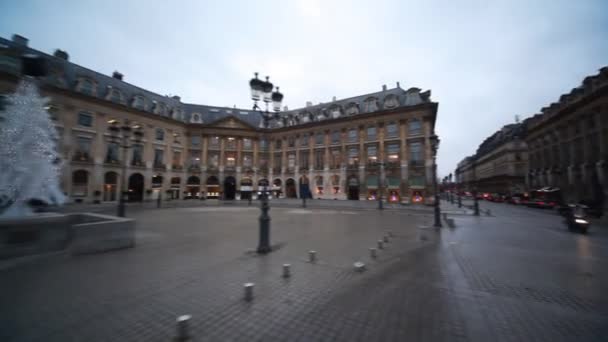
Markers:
(285, 108)
(384, 87)
(177, 98)
(398, 86)
(21, 40)
(333, 99)
(117, 75)
(61, 54)
(308, 104)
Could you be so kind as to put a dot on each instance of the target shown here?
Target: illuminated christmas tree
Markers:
(29, 162)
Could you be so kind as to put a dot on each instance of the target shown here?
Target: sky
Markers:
(484, 61)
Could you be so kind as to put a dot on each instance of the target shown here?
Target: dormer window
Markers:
(139, 102)
(390, 102)
(86, 86)
(335, 112)
(196, 118)
(371, 105)
(352, 109)
(114, 95)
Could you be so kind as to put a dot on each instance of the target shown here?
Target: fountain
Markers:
(30, 167)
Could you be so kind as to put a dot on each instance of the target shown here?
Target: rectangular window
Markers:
(214, 160)
(353, 136)
(194, 159)
(112, 153)
(416, 153)
(319, 138)
(335, 137)
(371, 133)
(159, 158)
(160, 134)
(278, 162)
(263, 144)
(214, 142)
(372, 154)
(392, 153)
(85, 119)
(278, 144)
(304, 140)
(263, 160)
(319, 154)
(230, 159)
(247, 160)
(138, 153)
(83, 149)
(304, 159)
(231, 143)
(336, 159)
(392, 130)
(247, 144)
(291, 142)
(415, 127)
(195, 140)
(291, 161)
(353, 156)
(177, 158)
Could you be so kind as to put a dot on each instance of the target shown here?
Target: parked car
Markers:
(517, 199)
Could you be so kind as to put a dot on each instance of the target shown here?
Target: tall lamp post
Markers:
(121, 133)
(380, 183)
(262, 90)
(434, 139)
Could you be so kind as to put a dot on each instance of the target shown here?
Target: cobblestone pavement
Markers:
(521, 277)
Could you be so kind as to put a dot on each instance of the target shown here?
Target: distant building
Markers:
(568, 142)
(343, 149)
(499, 165)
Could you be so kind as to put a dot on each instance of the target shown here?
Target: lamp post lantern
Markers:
(434, 140)
(262, 90)
(121, 133)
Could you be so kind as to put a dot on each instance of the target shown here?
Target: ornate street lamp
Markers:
(262, 90)
(121, 133)
(434, 140)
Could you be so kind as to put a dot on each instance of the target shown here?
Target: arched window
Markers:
(196, 118)
(352, 109)
(371, 105)
(390, 101)
(80, 181)
(139, 102)
(86, 86)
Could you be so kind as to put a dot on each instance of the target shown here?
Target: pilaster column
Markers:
(205, 144)
(222, 157)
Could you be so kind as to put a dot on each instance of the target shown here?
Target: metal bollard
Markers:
(385, 238)
(248, 291)
(380, 244)
(373, 253)
(286, 270)
(312, 256)
(183, 328)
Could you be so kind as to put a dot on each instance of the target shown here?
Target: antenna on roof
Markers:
(517, 119)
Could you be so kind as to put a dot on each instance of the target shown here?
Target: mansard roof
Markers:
(70, 76)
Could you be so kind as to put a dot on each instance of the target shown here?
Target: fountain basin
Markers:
(78, 233)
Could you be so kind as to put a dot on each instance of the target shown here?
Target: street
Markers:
(516, 275)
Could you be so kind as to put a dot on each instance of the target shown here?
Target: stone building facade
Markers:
(568, 142)
(499, 165)
(343, 149)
